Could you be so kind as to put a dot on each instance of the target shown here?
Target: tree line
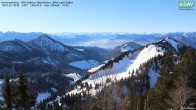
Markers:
(16, 94)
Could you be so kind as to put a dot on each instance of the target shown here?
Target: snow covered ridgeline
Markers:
(132, 61)
(121, 68)
(129, 46)
(118, 69)
(84, 64)
(175, 44)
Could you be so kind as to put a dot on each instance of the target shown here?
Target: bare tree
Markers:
(180, 95)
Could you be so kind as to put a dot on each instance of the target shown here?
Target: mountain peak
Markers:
(48, 44)
(174, 43)
(170, 38)
(45, 37)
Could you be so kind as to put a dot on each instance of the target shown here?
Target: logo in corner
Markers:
(186, 5)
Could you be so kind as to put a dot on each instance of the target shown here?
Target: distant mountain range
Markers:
(45, 53)
(103, 40)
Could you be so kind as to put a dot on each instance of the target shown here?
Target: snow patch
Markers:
(173, 43)
(84, 64)
(127, 48)
(74, 76)
(82, 50)
(54, 89)
(95, 68)
(42, 96)
(1, 98)
(153, 77)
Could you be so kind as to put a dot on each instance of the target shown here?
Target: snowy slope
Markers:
(153, 77)
(74, 76)
(95, 68)
(84, 64)
(121, 68)
(42, 96)
(176, 45)
(126, 49)
(129, 46)
(132, 61)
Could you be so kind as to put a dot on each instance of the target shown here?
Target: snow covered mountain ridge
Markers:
(168, 44)
(128, 62)
(129, 46)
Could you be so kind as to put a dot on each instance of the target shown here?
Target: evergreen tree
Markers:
(24, 98)
(6, 92)
(165, 83)
(184, 80)
(188, 66)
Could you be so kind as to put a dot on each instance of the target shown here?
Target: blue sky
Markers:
(133, 16)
